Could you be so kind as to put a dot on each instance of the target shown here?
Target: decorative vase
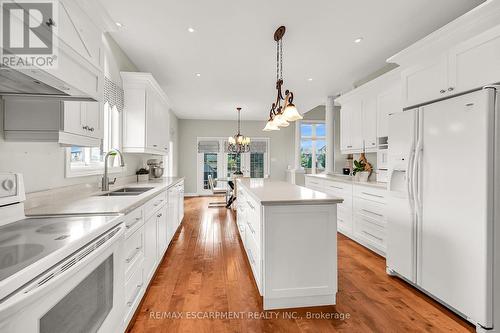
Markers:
(363, 176)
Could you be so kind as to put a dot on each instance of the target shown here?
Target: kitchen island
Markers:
(290, 236)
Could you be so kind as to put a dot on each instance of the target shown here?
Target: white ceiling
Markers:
(234, 50)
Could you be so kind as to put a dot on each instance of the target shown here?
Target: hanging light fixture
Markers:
(238, 143)
(281, 115)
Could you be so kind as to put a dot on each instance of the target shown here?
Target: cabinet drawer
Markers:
(339, 189)
(369, 193)
(134, 289)
(133, 221)
(372, 209)
(252, 214)
(154, 204)
(254, 257)
(314, 183)
(371, 230)
(134, 252)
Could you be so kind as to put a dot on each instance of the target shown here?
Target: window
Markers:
(83, 161)
(233, 163)
(313, 145)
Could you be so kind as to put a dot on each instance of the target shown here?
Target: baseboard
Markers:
(191, 195)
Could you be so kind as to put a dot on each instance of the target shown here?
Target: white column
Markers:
(330, 127)
(297, 165)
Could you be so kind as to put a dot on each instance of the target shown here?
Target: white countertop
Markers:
(104, 205)
(270, 192)
(349, 179)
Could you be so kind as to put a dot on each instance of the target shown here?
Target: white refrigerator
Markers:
(441, 206)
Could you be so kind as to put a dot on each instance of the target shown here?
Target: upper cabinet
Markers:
(70, 123)
(146, 115)
(463, 66)
(364, 113)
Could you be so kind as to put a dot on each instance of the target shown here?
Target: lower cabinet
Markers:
(362, 216)
(152, 234)
(149, 230)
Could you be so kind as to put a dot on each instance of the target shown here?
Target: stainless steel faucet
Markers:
(105, 179)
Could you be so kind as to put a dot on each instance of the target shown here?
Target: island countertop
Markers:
(271, 192)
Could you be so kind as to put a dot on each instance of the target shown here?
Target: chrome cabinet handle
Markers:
(136, 294)
(337, 187)
(137, 219)
(251, 229)
(373, 195)
(451, 89)
(442, 91)
(369, 234)
(369, 211)
(137, 251)
(349, 146)
(159, 215)
(251, 206)
(155, 145)
(252, 260)
(91, 129)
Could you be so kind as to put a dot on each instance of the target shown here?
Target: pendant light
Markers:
(281, 115)
(238, 143)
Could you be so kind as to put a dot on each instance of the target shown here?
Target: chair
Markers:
(216, 191)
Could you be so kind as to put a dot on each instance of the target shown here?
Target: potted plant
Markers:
(362, 169)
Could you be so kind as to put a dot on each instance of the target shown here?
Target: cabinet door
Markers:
(369, 130)
(476, 62)
(425, 82)
(181, 202)
(74, 118)
(154, 119)
(150, 246)
(356, 125)
(161, 218)
(388, 102)
(94, 119)
(171, 224)
(345, 127)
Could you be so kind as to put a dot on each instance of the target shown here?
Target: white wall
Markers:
(43, 164)
(281, 145)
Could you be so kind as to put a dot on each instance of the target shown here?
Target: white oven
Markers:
(78, 294)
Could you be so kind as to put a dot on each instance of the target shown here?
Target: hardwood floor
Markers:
(206, 274)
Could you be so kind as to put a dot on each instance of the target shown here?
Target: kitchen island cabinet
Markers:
(290, 237)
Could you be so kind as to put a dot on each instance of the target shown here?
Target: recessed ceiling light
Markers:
(191, 29)
(358, 40)
(198, 74)
(309, 79)
(118, 24)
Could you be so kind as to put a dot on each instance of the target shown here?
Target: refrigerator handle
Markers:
(409, 173)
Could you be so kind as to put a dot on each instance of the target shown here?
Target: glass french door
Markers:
(210, 167)
(253, 165)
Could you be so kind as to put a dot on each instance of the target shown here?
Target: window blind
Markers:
(258, 147)
(113, 94)
(208, 146)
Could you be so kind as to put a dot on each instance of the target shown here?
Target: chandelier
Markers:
(281, 115)
(238, 143)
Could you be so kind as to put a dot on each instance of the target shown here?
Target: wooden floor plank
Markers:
(205, 271)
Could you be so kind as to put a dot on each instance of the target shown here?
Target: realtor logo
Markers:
(29, 30)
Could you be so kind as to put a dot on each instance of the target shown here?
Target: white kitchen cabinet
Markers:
(425, 82)
(161, 221)
(70, 123)
(468, 65)
(476, 62)
(151, 235)
(351, 125)
(180, 195)
(146, 115)
(362, 216)
(388, 102)
(369, 123)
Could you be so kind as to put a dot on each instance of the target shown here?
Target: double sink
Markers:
(126, 191)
